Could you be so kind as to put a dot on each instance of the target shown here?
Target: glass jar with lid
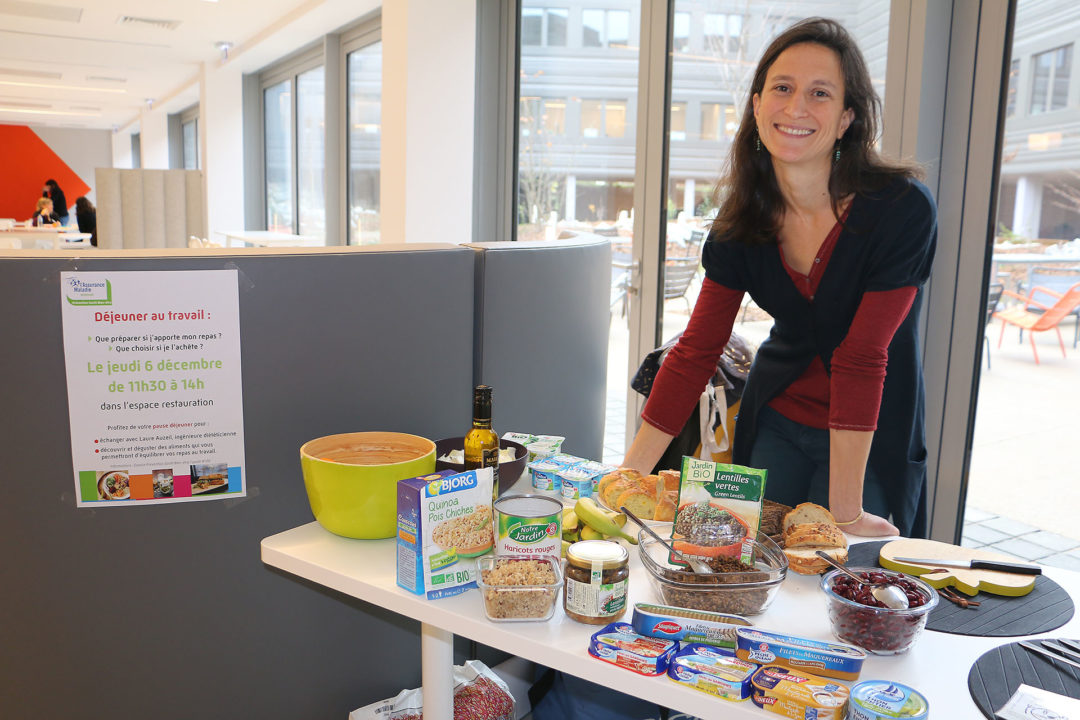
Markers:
(597, 578)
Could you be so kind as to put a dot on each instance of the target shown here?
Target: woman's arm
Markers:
(858, 377)
(686, 369)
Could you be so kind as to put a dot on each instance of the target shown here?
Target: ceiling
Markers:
(98, 63)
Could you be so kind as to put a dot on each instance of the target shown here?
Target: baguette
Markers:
(671, 479)
(807, 513)
(665, 507)
(804, 560)
(815, 535)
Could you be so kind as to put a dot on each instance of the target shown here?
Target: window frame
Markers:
(188, 116)
(358, 37)
(1046, 106)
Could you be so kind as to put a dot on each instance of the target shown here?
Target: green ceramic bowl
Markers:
(351, 479)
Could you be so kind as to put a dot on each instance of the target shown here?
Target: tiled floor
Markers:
(1012, 537)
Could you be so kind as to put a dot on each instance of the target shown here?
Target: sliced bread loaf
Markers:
(804, 560)
(807, 513)
(815, 535)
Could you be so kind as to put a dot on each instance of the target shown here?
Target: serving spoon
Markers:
(696, 564)
(890, 595)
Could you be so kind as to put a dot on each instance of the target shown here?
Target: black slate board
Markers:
(1045, 608)
(995, 676)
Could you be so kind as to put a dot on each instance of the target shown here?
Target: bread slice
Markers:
(772, 517)
(637, 501)
(665, 507)
(815, 535)
(805, 561)
(807, 513)
(651, 485)
(671, 479)
(614, 490)
(611, 477)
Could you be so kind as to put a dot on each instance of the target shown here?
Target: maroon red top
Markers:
(849, 400)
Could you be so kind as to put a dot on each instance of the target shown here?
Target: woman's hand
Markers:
(871, 525)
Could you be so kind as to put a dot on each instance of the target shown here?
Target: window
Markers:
(277, 158)
(603, 118)
(189, 138)
(718, 121)
(680, 37)
(1050, 80)
(678, 121)
(364, 108)
(1014, 72)
(605, 28)
(294, 145)
(722, 33)
(311, 154)
(544, 26)
(543, 116)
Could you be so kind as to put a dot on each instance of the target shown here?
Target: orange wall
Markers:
(28, 163)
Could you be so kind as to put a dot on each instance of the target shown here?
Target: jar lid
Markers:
(605, 553)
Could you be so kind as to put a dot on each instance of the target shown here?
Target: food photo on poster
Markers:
(153, 378)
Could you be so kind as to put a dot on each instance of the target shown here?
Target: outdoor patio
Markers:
(1023, 489)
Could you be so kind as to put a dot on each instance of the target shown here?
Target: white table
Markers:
(937, 666)
(265, 238)
(47, 238)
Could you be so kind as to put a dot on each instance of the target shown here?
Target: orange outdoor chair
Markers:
(1051, 316)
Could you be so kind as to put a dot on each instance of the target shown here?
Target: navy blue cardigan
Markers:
(887, 242)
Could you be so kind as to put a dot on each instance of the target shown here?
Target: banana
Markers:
(571, 535)
(618, 517)
(565, 544)
(594, 517)
(588, 533)
(569, 519)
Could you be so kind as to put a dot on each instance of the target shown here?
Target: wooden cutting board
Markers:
(963, 579)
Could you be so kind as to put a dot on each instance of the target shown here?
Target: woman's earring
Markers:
(836, 156)
(757, 142)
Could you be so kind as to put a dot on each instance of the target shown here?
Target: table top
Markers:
(937, 666)
(266, 237)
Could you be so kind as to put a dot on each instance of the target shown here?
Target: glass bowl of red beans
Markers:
(859, 619)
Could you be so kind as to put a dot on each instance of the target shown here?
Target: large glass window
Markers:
(278, 157)
(544, 26)
(364, 134)
(190, 134)
(605, 28)
(1050, 79)
(311, 154)
(1022, 488)
(603, 118)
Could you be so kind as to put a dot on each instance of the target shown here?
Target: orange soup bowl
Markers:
(351, 479)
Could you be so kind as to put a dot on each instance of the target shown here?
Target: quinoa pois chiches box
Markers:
(443, 524)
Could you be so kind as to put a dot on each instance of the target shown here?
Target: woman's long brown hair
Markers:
(751, 204)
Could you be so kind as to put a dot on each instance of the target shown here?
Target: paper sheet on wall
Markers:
(154, 386)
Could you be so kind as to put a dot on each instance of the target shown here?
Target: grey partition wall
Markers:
(167, 612)
(542, 336)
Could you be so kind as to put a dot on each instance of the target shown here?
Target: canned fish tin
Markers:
(883, 700)
(529, 526)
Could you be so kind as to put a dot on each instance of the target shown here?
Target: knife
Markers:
(976, 564)
(1060, 650)
(1045, 653)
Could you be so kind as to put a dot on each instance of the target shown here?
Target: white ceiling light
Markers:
(4, 108)
(16, 83)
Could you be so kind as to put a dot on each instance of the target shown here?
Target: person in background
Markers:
(86, 217)
(836, 244)
(44, 214)
(54, 193)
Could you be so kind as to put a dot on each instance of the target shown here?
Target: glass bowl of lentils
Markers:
(733, 586)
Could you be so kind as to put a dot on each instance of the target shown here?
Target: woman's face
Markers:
(800, 110)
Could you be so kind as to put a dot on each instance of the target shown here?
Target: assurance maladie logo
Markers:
(88, 292)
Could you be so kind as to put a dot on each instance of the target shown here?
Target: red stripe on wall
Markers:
(27, 163)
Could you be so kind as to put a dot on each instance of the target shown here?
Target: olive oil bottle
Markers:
(481, 442)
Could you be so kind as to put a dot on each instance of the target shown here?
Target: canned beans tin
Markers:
(528, 526)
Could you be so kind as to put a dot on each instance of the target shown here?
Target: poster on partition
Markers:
(153, 376)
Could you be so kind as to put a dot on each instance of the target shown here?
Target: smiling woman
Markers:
(835, 243)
